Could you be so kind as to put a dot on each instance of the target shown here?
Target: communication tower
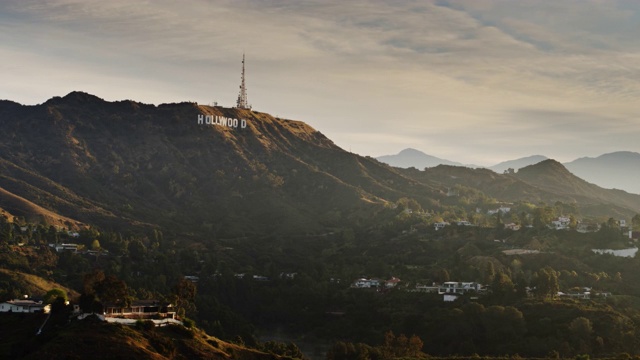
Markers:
(242, 96)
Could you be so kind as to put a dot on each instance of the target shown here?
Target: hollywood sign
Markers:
(221, 121)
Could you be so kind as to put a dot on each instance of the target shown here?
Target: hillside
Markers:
(547, 181)
(32, 285)
(125, 165)
(117, 164)
(552, 176)
(99, 340)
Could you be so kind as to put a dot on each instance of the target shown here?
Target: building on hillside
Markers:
(391, 283)
(501, 209)
(141, 309)
(460, 288)
(512, 226)
(65, 247)
(452, 290)
(24, 306)
(561, 223)
(440, 225)
(363, 283)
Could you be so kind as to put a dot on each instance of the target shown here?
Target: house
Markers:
(391, 283)
(24, 306)
(586, 295)
(288, 276)
(65, 247)
(440, 225)
(460, 288)
(363, 283)
(512, 226)
(141, 309)
(501, 209)
(561, 223)
(464, 223)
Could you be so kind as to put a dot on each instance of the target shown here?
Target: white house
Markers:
(440, 225)
(512, 226)
(65, 247)
(561, 223)
(24, 306)
(454, 287)
(501, 209)
(363, 283)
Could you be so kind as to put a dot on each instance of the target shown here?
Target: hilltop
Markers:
(118, 164)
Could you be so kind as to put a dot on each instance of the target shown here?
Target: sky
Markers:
(474, 81)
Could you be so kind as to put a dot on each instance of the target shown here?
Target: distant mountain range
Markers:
(617, 170)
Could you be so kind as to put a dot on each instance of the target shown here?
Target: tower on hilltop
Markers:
(242, 96)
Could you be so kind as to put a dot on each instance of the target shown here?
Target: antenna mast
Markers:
(242, 96)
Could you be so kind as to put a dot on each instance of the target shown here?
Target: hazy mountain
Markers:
(547, 181)
(618, 170)
(517, 163)
(414, 158)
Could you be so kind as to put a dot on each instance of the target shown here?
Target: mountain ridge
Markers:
(158, 164)
(616, 170)
(124, 164)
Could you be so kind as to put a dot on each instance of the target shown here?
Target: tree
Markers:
(542, 216)
(113, 290)
(442, 275)
(100, 288)
(490, 273)
(185, 294)
(502, 286)
(415, 346)
(580, 330)
(547, 285)
(54, 294)
(137, 250)
(635, 222)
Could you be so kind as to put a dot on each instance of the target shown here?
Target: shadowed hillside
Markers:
(89, 159)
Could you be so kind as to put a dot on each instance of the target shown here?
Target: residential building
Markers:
(440, 225)
(141, 309)
(24, 306)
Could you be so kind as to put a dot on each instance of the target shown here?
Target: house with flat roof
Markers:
(24, 306)
(141, 309)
